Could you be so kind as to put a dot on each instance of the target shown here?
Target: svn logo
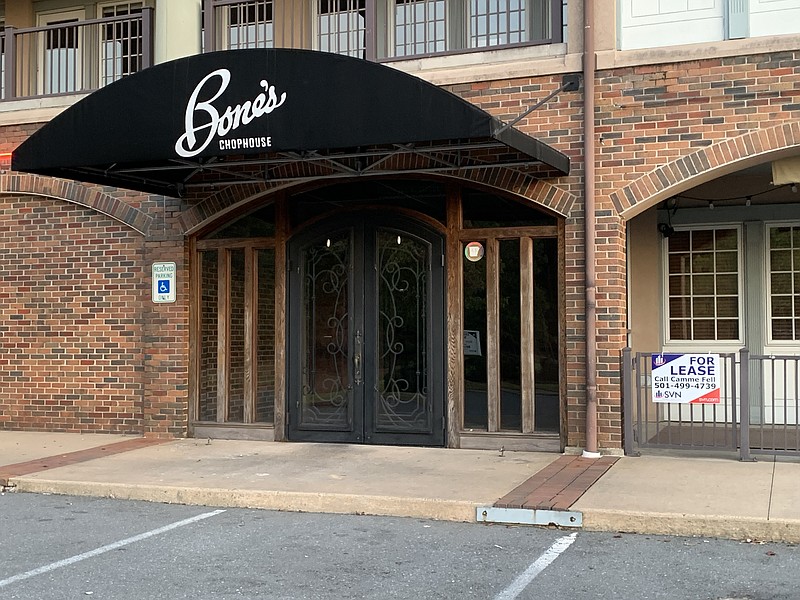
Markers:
(205, 121)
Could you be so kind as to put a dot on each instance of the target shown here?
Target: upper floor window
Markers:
(703, 284)
(432, 26)
(379, 29)
(655, 23)
(341, 27)
(121, 41)
(60, 47)
(250, 25)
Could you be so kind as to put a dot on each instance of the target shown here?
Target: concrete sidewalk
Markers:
(712, 497)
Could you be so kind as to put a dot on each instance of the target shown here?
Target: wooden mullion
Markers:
(195, 329)
(223, 332)
(250, 334)
(281, 281)
(527, 351)
(455, 319)
(493, 333)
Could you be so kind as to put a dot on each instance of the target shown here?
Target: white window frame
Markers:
(770, 341)
(718, 345)
(49, 17)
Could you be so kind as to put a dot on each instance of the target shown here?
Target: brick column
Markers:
(166, 331)
(611, 326)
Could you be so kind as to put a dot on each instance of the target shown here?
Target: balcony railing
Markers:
(74, 57)
(382, 29)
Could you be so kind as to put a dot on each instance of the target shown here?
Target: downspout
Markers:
(589, 65)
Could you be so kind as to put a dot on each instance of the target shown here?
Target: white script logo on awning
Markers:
(231, 118)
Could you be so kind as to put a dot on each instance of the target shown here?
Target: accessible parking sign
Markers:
(686, 378)
(164, 282)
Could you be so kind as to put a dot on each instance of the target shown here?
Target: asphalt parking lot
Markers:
(70, 547)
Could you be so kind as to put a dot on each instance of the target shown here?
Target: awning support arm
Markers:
(570, 83)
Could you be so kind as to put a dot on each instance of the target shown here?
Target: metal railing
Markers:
(76, 56)
(379, 31)
(758, 412)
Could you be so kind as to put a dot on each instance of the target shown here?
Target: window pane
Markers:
(703, 307)
(265, 391)
(476, 398)
(782, 306)
(781, 283)
(207, 409)
(727, 307)
(680, 285)
(702, 240)
(781, 260)
(727, 284)
(703, 263)
(703, 284)
(782, 329)
(726, 239)
(727, 329)
(679, 307)
(780, 237)
(679, 241)
(704, 329)
(726, 262)
(680, 330)
(679, 263)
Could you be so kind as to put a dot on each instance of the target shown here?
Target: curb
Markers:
(692, 525)
(390, 506)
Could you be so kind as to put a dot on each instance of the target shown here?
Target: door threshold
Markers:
(520, 442)
(234, 431)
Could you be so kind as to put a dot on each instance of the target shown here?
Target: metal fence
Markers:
(74, 56)
(758, 411)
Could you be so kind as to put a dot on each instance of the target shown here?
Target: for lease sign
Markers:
(686, 378)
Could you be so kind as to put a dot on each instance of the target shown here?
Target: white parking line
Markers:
(107, 548)
(539, 565)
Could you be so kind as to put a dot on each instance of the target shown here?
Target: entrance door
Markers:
(366, 333)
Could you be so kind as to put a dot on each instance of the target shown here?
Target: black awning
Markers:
(244, 115)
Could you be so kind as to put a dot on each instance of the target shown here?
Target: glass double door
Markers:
(366, 332)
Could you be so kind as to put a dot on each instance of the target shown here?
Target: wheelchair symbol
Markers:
(163, 286)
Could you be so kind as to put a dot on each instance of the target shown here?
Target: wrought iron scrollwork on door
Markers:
(326, 390)
(402, 384)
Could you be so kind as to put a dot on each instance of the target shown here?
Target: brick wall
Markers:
(71, 293)
(658, 128)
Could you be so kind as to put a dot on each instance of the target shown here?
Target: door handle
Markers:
(357, 359)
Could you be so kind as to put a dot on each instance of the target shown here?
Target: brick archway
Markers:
(539, 191)
(724, 157)
(75, 193)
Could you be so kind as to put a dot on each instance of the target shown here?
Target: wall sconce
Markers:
(666, 229)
